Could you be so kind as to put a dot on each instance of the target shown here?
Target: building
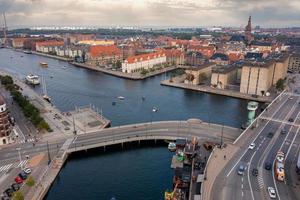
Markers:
(294, 63)
(48, 46)
(103, 55)
(194, 59)
(174, 57)
(97, 42)
(18, 42)
(248, 34)
(219, 59)
(206, 51)
(143, 61)
(5, 127)
(199, 75)
(224, 77)
(258, 77)
(262, 46)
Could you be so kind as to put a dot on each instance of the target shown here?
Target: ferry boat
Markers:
(43, 64)
(172, 146)
(121, 97)
(32, 79)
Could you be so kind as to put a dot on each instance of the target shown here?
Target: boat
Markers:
(143, 98)
(45, 94)
(27, 52)
(43, 64)
(172, 146)
(113, 103)
(64, 67)
(154, 109)
(121, 97)
(32, 79)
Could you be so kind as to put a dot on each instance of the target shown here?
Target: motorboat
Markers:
(113, 103)
(32, 79)
(121, 97)
(47, 98)
(27, 52)
(154, 109)
(45, 94)
(172, 146)
(43, 64)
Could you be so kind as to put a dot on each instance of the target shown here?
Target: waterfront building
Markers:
(5, 127)
(18, 43)
(200, 74)
(224, 77)
(48, 46)
(294, 63)
(174, 57)
(258, 77)
(103, 55)
(143, 61)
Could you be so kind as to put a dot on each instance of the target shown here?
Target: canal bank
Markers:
(71, 86)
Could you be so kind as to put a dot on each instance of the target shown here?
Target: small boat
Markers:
(43, 64)
(64, 67)
(45, 94)
(32, 79)
(143, 98)
(21, 56)
(154, 109)
(47, 98)
(172, 146)
(113, 103)
(27, 52)
(121, 97)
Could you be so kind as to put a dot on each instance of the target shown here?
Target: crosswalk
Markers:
(24, 141)
(6, 167)
(260, 181)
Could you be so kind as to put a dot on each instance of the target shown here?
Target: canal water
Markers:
(70, 86)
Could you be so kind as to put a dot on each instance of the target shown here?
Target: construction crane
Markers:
(4, 30)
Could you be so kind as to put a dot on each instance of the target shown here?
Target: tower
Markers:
(248, 30)
(251, 107)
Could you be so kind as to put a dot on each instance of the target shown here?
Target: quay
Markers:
(164, 130)
(52, 56)
(207, 89)
(132, 76)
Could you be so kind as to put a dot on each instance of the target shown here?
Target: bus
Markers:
(279, 166)
(298, 165)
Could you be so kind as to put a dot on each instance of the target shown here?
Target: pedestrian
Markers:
(224, 157)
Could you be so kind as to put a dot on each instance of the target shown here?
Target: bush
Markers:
(30, 181)
(18, 196)
(7, 80)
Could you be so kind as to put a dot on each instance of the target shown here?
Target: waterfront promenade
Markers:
(207, 89)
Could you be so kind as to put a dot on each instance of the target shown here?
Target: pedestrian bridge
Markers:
(163, 130)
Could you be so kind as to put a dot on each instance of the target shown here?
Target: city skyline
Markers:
(147, 13)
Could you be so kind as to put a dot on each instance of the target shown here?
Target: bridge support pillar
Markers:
(104, 148)
(122, 144)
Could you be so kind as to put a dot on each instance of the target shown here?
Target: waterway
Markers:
(70, 86)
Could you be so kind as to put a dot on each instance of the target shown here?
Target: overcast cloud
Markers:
(267, 13)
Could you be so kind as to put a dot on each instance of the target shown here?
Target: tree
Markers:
(30, 181)
(190, 77)
(18, 196)
(280, 84)
(7, 80)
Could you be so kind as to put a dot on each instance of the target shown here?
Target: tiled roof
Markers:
(144, 57)
(104, 50)
(50, 43)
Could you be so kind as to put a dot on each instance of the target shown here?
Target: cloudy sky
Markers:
(267, 13)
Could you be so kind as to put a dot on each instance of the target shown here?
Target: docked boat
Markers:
(45, 94)
(154, 109)
(172, 146)
(43, 64)
(32, 79)
(121, 97)
(27, 52)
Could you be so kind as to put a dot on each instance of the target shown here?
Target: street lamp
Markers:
(20, 159)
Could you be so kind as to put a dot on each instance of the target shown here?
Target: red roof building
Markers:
(104, 55)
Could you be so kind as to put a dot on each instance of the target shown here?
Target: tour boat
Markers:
(43, 64)
(172, 146)
(33, 79)
(121, 97)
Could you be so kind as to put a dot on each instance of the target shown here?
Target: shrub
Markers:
(18, 196)
(30, 181)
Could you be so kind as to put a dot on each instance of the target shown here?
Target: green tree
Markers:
(144, 72)
(190, 77)
(30, 181)
(18, 196)
(280, 84)
(6, 80)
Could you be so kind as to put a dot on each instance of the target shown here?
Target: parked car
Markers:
(18, 180)
(5, 197)
(15, 186)
(241, 169)
(291, 119)
(9, 192)
(23, 175)
(254, 172)
(270, 135)
(272, 192)
(27, 170)
(268, 165)
(252, 145)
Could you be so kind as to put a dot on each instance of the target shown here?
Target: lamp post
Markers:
(20, 159)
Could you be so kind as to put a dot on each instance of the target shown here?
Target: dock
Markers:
(210, 90)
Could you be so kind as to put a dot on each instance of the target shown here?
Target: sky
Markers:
(156, 13)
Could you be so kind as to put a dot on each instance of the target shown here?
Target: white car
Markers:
(272, 192)
(251, 146)
(27, 170)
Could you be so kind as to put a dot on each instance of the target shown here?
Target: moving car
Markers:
(270, 135)
(272, 192)
(291, 119)
(268, 165)
(241, 169)
(251, 146)
(283, 131)
(254, 172)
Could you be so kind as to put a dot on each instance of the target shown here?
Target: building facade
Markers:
(103, 55)
(221, 78)
(198, 75)
(144, 61)
(294, 63)
(5, 127)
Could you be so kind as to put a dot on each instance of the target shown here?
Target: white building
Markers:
(144, 61)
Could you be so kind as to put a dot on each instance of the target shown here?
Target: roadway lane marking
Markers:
(242, 193)
(248, 175)
(242, 186)
(5, 167)
(279, 107)
(22, 163)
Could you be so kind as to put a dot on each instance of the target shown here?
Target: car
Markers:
(283, 131)
(27, 170)
(23, 176)
(270, 135)
(241, 169)
(291, 119)
(251, 146)
(9, 192)
(18, 180)
(268, 165)
(291, 98)
(254, 172)
(272, 192)
(5, 197)
(15, 186)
